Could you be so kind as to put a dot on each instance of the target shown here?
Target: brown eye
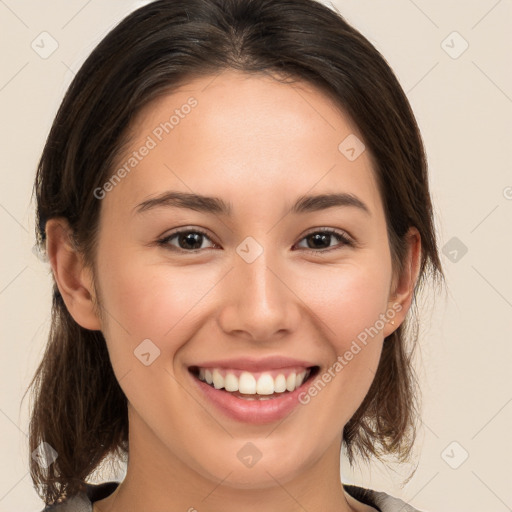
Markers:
(321, 240)
(188, 240)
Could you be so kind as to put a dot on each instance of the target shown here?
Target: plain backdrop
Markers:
(453, 60)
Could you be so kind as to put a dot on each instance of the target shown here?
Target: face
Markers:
(255, 294)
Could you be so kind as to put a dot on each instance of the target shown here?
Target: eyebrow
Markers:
(216, 205)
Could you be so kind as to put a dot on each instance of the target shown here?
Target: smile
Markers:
(252, 396)
(254, 383)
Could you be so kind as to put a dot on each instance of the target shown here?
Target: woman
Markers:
(234, 201)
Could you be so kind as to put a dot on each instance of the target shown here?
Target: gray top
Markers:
(83, 502)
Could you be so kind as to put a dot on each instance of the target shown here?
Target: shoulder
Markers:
(83, 502)
(379, 500)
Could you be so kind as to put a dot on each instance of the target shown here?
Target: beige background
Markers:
(463, 105)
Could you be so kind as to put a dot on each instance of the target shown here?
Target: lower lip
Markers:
(252, 411)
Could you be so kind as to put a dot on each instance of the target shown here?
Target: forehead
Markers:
(241, 136)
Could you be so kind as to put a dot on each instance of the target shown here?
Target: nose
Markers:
(259, 304)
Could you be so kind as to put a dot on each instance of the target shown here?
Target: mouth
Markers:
(255, 397)
(262, 385)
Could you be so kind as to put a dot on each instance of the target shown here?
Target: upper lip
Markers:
(256, 365)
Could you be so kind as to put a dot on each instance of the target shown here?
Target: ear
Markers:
(402, 288)
(73, 278)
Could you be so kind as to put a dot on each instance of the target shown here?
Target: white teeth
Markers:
(218, 379)
(230, 382)
(280, 384)
(290, 381)
(265, 385)
(300, 379)
(248, 385)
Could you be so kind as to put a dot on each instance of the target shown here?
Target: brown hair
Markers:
(79, 408)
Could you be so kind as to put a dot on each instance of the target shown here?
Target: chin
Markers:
(262, 475)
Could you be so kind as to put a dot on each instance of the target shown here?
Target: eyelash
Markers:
(346, 241)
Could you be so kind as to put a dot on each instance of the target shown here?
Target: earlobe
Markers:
(401, 296)
(73, 278)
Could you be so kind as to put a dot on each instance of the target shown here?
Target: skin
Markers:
(259, 145)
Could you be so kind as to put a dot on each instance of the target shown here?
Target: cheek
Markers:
(149, 312)
(145, 300)
(350, 304)
(349, 299)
